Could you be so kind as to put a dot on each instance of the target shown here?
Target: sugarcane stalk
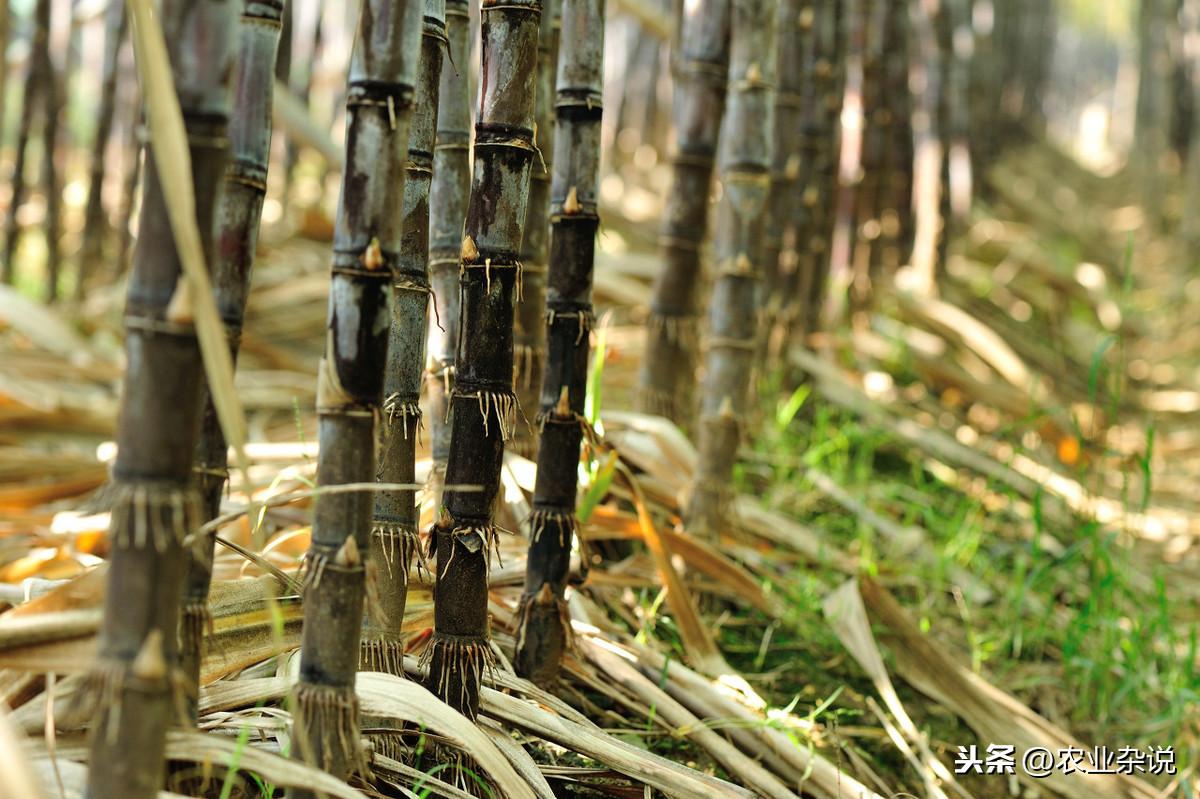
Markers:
(238, 215)
(156, 500)
(394, 540)
(37, 95)
(96, 226)
(789, 169)
(448, 196)
(927, 181)
(732, 317)
(529, 335)
(668, 374)
(895, 214)
(875, 145)
(483, 406)
(51, 183)
(543, 626)
(819, 199)
(366, 246)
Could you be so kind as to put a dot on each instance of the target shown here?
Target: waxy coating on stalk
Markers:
(156, 501)
(483, 407)
(668, 375)
(733, 309)
(448, 196)
(543, 623)
(238, 214)
(366, 247)
(394, 540)
(529, 328)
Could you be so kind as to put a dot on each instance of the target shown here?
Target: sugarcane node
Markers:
(331, 711)
(179, 309)
(572, 205)
(470, 253)
(150, 664)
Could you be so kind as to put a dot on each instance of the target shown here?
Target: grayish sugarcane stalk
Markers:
(156, 499)
(448, 196)
(733, 310)
(543, 624)
(529, 335)
(366, 252)
(823, 150)
(483, 407)
(238, 214)
(793, 99)
(394, 540)
(668, 374)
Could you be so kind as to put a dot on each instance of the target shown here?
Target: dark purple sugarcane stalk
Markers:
(156, 498)
(238, 214)
(733, 308)
(448, 197)
(483, 406)
(394, 540)
(529, 335)
(666, 384)
(366, 256)
(543, 626)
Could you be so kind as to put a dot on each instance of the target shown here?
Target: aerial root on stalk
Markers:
(552, 416)
(458, 658)
(544, 634)
(564, 521)
(400, 546)
(395, 409)
(679, 331)
(657, 402)
(382, 654)
(473, 538)
(527, 361)
(156, 514)
(332, 713)
(503, 405)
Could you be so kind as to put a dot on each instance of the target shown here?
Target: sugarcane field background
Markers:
(600, 398)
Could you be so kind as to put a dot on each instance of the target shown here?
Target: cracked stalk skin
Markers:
(543, 632)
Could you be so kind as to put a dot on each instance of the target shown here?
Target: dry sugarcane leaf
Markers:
(995, 716)
(705, 558)
(392, 697)
(847, 616)
(698, 642)
(520, 760)
(168, 143)
(653, 770)
(612, 662)
(42, 326)
(202, 747)
(293, 117)
(18, 778)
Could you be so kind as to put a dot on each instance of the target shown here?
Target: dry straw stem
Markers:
(169, 146)
(18, 778)
(992, 713)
